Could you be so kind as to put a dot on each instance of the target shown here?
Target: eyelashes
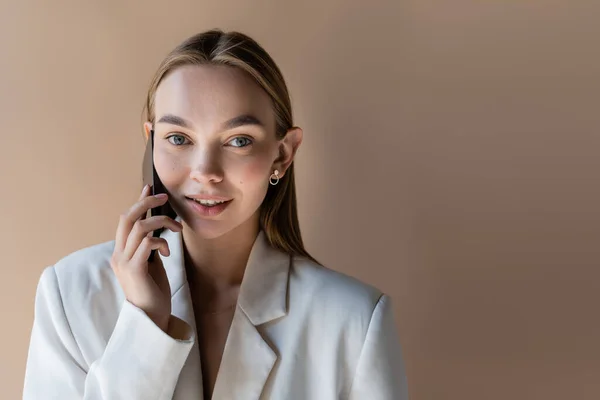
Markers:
(248, 141)
(182, 141)
(176, 136)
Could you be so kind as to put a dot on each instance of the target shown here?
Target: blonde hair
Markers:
(278, 215)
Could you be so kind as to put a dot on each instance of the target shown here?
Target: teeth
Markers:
(208, 202)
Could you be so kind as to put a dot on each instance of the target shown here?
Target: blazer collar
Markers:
(248, 358)
(263, 292)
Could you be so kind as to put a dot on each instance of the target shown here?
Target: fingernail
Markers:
(144, 188)
(161, 195)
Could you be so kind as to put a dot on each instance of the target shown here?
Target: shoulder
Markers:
(89, 265)
(331, 291)
(78, 276)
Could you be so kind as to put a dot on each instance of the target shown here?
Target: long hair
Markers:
(278, 214)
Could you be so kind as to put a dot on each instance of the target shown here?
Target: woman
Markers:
(234, 307)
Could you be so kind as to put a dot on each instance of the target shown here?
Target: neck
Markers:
(216, 266)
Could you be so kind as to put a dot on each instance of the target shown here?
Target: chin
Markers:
(208, 229)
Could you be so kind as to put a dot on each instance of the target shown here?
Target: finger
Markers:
(142, 229)
(128, 219)
(121, 233)
(140, 257)
(145, 192)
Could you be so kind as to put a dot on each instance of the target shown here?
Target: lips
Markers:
(207, 197)
(208, 211)
(217, 202)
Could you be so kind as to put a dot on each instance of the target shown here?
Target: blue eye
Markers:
(248, 141)
(179, 142)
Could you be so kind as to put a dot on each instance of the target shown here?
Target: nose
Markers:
(206, 168)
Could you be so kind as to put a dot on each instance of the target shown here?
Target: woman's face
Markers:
(214, 135)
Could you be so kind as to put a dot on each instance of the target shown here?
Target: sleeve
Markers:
(380, 374)
(140, 360)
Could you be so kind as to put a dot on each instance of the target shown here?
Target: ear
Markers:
(287, 148)
(147, 129)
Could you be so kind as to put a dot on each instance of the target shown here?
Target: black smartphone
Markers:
(150, 177)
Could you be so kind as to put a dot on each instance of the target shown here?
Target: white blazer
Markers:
(300, 332)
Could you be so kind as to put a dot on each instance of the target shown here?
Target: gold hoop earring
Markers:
(276, 173)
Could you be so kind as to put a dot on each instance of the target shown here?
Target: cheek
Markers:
(168, 168)
(253, 173)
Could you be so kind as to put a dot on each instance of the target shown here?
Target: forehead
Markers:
(207, 95)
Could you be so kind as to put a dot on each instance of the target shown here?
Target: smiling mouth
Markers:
(209, 203)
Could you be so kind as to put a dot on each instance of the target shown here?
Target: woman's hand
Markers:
(145, 283)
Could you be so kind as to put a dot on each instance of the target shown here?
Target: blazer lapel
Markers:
(247, 358)
(189, 385)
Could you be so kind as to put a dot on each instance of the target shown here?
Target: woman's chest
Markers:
(212, 330)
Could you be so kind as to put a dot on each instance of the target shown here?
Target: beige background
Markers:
(450, 158)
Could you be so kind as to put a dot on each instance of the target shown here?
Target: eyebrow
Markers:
(240, 120)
